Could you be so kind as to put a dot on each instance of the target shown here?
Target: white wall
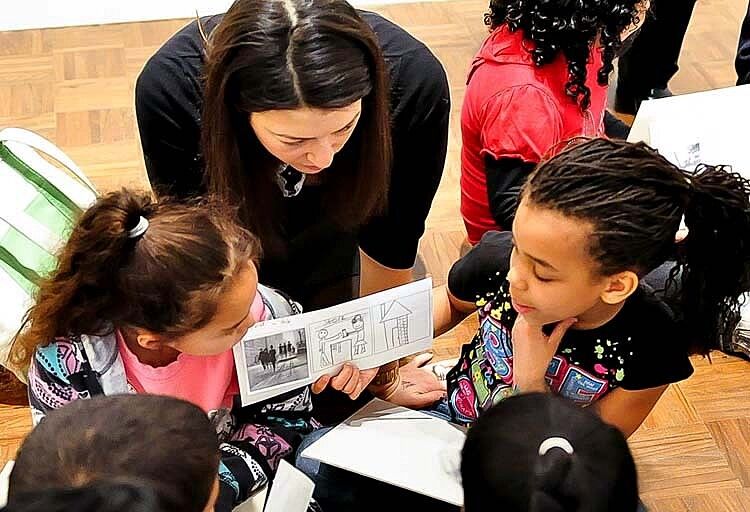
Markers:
(62, 13)
(25, 14)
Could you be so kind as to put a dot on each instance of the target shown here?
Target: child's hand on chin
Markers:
(350, 380)
(532, 352)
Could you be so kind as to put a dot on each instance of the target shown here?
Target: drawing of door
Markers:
(395, 320)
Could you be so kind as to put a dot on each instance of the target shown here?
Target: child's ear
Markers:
(620, 287)
(149, 340)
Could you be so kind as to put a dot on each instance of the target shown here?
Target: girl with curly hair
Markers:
(539, 79)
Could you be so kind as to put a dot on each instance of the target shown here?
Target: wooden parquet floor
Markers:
(75, 87)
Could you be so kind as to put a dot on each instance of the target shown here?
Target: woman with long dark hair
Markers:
(326, 127)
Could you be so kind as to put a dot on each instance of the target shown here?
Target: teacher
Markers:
(326, 127)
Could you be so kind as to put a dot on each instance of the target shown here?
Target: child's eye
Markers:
(295, 143)
(544, 280)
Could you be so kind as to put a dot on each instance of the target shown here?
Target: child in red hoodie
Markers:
(539, 79)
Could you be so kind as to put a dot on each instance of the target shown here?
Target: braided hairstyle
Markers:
(635, 199)
(570, 28)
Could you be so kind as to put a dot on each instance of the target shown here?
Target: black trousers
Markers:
(742, 63)
(652, 60)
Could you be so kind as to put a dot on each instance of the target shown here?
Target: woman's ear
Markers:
(620, 286)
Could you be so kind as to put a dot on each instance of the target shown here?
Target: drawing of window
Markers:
(395, 321)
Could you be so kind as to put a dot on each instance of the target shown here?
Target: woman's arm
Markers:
(375, 277)
(420, 112)
(167, 110)
(626, 409)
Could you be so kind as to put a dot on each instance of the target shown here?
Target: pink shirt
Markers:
(209, 382)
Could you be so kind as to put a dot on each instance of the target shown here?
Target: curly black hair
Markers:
(569, 27)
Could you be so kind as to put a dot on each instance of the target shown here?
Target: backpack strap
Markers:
(86, 379)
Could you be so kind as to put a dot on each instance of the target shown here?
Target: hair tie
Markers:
(139, 228)
(555, 442)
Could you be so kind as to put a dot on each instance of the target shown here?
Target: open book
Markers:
(283, 354)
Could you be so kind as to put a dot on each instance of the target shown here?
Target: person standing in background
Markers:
(645, 69)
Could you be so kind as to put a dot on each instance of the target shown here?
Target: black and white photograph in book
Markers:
(276, 359)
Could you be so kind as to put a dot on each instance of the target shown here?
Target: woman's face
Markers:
(306, 138)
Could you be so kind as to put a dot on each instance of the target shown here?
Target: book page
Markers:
(424, 454)
(287, 353)
(705, 127)
(291, 490)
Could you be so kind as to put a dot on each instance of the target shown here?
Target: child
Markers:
(150, 298)
(538, 453)
(102, 497)
(124, 449)
(539, 79)
(562, 305)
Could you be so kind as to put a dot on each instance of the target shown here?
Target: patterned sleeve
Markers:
(241, 475)
(49, 378)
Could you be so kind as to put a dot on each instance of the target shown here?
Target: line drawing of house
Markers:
(395, 321)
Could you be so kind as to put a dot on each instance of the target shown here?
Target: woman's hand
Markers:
(532, 352)
(350, 380)
(417, 388)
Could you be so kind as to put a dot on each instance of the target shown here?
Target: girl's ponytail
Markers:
(554, 485)
(715, 256)
(538, 452)
(83, 289)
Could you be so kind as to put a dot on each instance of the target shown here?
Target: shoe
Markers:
(629, 104)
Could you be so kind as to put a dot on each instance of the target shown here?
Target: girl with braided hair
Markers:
(564, 304)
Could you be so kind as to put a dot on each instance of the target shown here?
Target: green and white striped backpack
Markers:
(40, 199)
